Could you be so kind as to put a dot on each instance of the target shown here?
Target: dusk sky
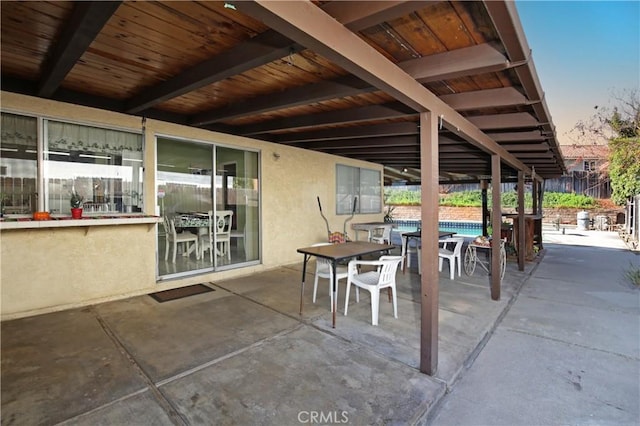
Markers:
(582, 51)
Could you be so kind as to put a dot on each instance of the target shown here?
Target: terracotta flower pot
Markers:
(76, 213)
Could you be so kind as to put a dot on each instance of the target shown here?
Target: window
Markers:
(103, 165)
(18, 164)
(589, 166)
(361, 184)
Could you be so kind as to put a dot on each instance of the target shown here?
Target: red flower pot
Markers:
(76, 213)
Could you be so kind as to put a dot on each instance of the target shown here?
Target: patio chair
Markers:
(173, 238)
(407, 251)
(453, 255)
(224, 219)
(206, 239)
(384, 276)
(380, 235)
(324, 269)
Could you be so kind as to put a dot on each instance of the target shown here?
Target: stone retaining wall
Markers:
(474, 214)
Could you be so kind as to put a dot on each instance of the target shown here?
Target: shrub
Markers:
(474, 199)
(632, 274)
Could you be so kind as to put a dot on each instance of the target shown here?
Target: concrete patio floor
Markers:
(243, 355)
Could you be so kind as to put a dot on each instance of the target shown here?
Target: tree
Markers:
(621, 121)
(624, 168)
(620, 126)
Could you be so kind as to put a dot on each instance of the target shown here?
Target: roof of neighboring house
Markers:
(579, 152)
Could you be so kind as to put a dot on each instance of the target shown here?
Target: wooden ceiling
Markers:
(216, 65)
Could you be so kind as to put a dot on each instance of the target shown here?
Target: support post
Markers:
(522, 231)
(485, 209)
(429, 215)
(534, 197)
(496, 222)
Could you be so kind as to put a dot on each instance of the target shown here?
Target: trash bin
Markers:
(583, 220)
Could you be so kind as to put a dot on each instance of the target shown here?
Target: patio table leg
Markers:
(335, 292)
(304, 272)
(405, 243)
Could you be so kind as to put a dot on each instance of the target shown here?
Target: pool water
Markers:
(461, 228)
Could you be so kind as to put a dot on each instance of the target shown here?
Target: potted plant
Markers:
(388, 215)
(76, 205)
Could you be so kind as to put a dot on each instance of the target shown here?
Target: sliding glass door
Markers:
(210, 220)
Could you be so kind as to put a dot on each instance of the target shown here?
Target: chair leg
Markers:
(175, 249)
(315, 287)
(440, 264)
(210, 252)
(346, 298)
(375, 305)
(166, 249)
(457, 260)
(395, 301)
(452, 269)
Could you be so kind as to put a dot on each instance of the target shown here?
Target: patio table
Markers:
(368, 226)
(336, 253)
(418, 235)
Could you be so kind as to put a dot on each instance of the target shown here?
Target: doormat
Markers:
(179, 293)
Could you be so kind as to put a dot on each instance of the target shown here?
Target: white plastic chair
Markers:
(384, 276)
(206, 239)
(224, 219)
(407, 251)
(173, 238)
(324, 269)
(380, 235)
(452, 255)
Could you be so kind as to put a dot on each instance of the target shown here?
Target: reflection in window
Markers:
(18, 164)
(104, 166)
(184, 176)
(363, 185)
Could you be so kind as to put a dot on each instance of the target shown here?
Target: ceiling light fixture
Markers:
(229, 6)
(405, 170)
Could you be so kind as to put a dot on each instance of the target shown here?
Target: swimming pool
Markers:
(462, 228)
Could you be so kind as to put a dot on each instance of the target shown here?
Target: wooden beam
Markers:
(530, 136)
(296, 96)
(262, 49)
(389, 142)
(385, 129)
(504, 121)
(78, 33)
(359, 15)
(354, 115)
(490, 98)
(474, 60)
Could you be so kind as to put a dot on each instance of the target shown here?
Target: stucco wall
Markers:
(291, 181)
(43, 268)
